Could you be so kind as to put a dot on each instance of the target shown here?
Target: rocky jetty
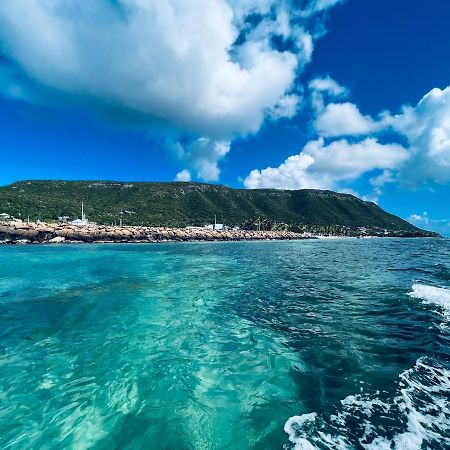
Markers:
(17, 232)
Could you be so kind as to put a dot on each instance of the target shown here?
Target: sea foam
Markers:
(432, 295)
(419, 413)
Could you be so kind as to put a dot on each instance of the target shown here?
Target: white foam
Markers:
(421, 407)
(421, 412)
(294, 426)
(432, 295)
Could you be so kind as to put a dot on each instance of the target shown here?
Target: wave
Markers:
(418, 416)
(432, 295)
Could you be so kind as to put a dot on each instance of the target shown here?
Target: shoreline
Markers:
(17, 232)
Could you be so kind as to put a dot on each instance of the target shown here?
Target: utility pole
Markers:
(121, 216)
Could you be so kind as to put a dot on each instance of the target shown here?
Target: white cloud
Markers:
(183, 175)
(344, 119)
(427, 129)
(323, 90)
(154, 60)
(151, 64)
(425, 126)
(329, 86)
(286, 107)
(316, 6)
(419, 219)
(321, 166)
(423, 220)
(202, 156)
(385, 177)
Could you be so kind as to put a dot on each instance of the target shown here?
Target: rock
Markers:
(57, 240)
(52, 233)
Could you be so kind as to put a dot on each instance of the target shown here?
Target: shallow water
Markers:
(311, 344)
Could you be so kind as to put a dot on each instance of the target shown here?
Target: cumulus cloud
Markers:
(419, 219)
(324, 90)
(344, 119)
(286, 107)
(202, 156)
(320, 166)
(422, 220)
(150, 64)
(427, 130)
(154, 60)
(183, 175)
(329, 86)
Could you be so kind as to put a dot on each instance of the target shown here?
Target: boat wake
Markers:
(417, 416)
(432, 295)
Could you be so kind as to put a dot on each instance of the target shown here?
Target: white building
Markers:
(80, 222)
(83, 222)
(216, 226)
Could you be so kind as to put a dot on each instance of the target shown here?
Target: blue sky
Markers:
(345, 95)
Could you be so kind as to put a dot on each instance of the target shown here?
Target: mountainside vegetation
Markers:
(195, 204)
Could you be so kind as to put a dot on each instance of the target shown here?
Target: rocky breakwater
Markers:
(17, 232)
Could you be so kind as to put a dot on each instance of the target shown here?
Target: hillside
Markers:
(182, 204)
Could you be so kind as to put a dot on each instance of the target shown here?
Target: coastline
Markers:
(15, 233)
(18, 232)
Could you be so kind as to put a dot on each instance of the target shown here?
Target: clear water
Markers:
(266, 345)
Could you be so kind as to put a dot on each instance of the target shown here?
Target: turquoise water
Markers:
(263, 345)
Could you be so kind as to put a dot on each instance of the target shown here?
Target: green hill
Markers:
(182, 204)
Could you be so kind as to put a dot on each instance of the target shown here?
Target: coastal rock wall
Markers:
(16, 232)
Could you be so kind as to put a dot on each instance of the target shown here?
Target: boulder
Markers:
(57, 240)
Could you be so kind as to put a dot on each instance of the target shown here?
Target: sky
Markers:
(348, 95)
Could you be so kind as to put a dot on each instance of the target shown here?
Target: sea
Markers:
(318, 344)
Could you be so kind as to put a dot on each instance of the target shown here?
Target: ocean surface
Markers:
(328, 344)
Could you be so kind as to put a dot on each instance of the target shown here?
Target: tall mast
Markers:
(82, 211)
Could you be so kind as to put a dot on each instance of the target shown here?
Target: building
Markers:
(83, 222)
(217, 226)
(80, 222)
